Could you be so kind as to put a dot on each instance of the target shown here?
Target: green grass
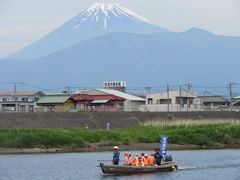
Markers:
(201, 134)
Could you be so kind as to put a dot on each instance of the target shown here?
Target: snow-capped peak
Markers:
(103, 12)
(110, 9)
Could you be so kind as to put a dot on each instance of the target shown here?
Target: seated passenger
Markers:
(151, 160)
(145, 160)
(126, 156)
(135, 161)
(130, 159)
(140, 162)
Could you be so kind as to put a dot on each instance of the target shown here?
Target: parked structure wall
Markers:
(98, 120)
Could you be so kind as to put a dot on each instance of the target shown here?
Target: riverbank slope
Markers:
(185, 136)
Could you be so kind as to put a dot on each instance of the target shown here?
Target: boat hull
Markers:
(119, 169)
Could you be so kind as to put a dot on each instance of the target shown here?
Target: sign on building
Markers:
(116, 85)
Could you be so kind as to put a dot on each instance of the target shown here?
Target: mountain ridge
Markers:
(161, 58)
(97, 20)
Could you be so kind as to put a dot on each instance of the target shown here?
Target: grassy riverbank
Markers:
(203, 135)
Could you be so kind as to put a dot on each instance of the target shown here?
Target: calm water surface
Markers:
(204, 165)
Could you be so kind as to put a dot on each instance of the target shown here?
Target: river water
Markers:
(194, 165)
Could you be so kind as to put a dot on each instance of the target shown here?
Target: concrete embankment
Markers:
(97, 120)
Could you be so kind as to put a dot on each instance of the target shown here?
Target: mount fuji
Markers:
(97, 20)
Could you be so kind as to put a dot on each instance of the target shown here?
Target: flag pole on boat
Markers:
(164, 146)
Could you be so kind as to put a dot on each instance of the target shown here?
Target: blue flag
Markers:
(163, 147)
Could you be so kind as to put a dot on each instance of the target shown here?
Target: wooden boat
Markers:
(120, 169)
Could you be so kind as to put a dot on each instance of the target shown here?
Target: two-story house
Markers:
(24, 101)
(172, 101)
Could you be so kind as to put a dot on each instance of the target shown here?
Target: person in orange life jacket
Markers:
(130, 159)
(142, 155)
(140, 162)
(135, 161)
(158, 157)
(126, 157)
(116, 155)
(145, 160)
(151, 160)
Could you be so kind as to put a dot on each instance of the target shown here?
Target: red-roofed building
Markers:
(20, 101)
(107, 102)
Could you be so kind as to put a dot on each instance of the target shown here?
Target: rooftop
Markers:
(213, 99)
(53, 99)
(121, 94)
(80, 97)
(19, 93)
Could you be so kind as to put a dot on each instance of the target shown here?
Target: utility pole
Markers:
(231, 95)
(168, 98)
(180, 98)
(189, 85)
(15, 88)
(149, 90)
(205, 92)
(68, 90)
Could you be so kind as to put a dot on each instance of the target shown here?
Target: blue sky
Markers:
(24, 21)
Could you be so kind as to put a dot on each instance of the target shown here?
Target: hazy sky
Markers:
(24, 21)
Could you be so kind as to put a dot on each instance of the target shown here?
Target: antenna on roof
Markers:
(67, 90)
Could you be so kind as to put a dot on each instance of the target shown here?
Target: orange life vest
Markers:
(140, 163)
(135, 161)
(129, 161)
(151, 160)
(145, 160)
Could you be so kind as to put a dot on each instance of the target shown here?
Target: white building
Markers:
(19, 101)
(131, 103)
(172, 101)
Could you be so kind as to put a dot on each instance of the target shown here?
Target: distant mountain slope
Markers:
(99, 19)
(195, 56)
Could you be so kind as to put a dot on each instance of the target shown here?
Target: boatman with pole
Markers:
(116, 155)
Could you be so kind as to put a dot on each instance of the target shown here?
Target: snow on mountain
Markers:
(97, 20)
(104, 11)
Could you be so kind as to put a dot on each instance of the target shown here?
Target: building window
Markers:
(31, 108)
(190, 101)
(150, 100)
(24, 99)
(178, 100)
(165, 101)
(50, 108)
(22, 108)
(5, 99)
(36, 99)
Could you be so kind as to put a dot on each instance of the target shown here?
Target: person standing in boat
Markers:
(116, 155)
(158, 157)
